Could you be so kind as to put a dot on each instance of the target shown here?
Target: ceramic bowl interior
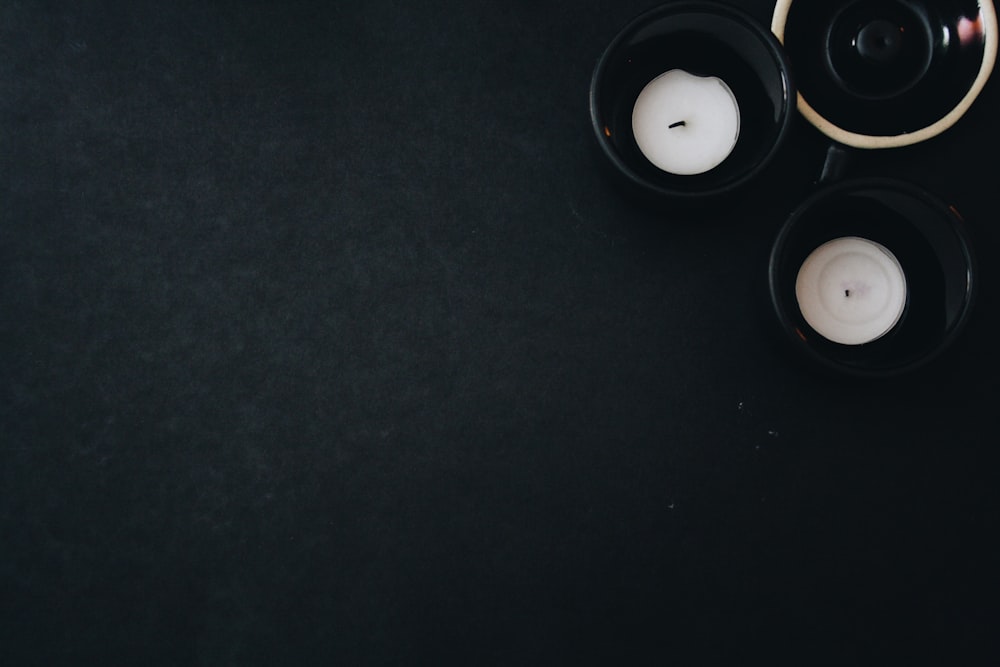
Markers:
(887, 73)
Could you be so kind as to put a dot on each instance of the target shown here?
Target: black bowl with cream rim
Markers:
(690, 101)
(887, 73)
(839, 262)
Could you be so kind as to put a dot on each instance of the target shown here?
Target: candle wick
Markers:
(680, 123)
(847, 292)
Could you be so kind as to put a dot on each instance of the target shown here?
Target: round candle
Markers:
(686, 124)
(851, 290)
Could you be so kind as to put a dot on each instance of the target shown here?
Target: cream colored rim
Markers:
(989, 15)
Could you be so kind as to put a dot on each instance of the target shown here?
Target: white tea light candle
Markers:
(686, 124)
(851, 290)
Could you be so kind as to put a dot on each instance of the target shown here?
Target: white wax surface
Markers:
(709, 113)
(851, 290)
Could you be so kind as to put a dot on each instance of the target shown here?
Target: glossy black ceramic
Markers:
(705, 39)
(927, 237)
(905, 69)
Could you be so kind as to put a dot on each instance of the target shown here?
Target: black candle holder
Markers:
(929, 240)
(704, 39)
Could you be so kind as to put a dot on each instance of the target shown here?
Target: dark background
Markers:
(325, 340)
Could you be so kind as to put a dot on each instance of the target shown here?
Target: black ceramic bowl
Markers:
(931, 245)
(887, 73)
(704, 39)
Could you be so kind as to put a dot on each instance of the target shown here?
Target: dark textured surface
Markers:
(324, 340)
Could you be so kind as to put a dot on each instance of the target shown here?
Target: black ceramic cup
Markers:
(927, 240)
(887, 73)
(700, 44)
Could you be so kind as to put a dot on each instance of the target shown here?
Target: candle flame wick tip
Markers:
(680, 123)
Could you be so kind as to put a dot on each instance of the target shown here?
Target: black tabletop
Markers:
(324, 339)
